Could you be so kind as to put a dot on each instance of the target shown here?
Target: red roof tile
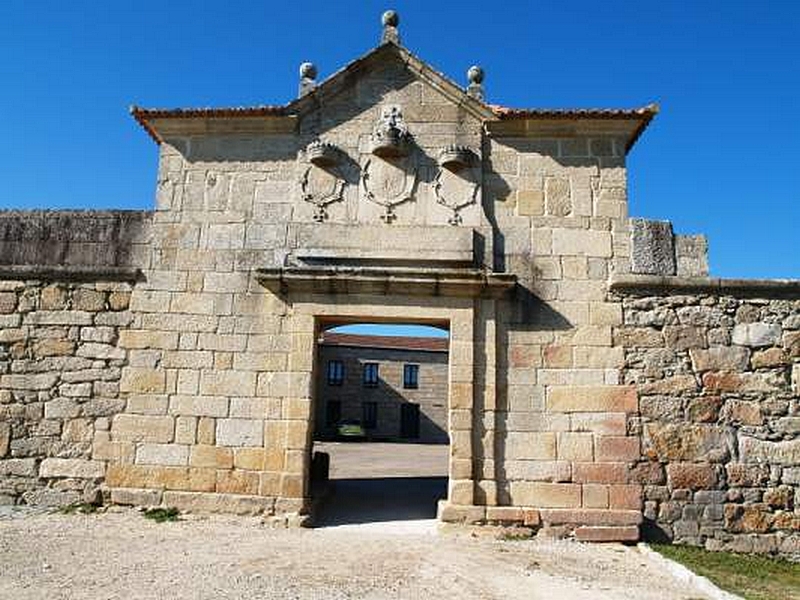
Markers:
(505, 112)
(428, 344)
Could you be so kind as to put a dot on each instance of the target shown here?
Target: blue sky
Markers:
(721, 158)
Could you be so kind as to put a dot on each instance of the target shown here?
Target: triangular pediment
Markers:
(377, 59)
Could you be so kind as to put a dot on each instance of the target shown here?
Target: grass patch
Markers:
(161, 515)
(81, 508)
(515, 534)
(753, 577)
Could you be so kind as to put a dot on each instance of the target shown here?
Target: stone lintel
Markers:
(359, 244)
(471, 283)
(662, 285)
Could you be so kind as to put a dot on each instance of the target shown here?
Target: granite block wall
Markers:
(717, 377)
(60, 370)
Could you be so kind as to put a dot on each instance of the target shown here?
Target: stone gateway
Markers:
(599, 382)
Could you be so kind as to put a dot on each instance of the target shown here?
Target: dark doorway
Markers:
(409, 421)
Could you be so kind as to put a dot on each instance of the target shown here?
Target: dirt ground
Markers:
(377, 538)
(122, 555)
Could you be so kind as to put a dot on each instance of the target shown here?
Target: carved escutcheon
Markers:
(321, 182)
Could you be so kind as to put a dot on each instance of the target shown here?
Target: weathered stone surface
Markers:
(720, 358)
(142, 380)
(39, 381)
(746, 413)
(796, 379)
(88, 300)
(20, 467)
(693, 476)
(617, 448)
(162, 454)
(100, 351)
(240, 432)
(142, 428)
(754, 518)
(211, 456)
(201, 406)
(756, 335)
(5, 438)
(70, 467)
(691, 252)
(607, 534)
(58, 317)
(134, 497)
(592, 399)
(652, 251)
(704, 409)
(772, 357)
(682, 442)
(791, 341)
(637, 337)
(671, 385)
(753, 450)
(219, 503)
(156, 477)
(742, 382)
(53, 347)
(683, 337)
(545, 495)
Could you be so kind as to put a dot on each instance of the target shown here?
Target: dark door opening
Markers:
(409, 421)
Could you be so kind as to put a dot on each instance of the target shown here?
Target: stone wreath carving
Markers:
(321, 182)
(456, 185)
(389, 184)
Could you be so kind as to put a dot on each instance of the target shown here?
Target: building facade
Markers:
(395, 387)
(599, 381)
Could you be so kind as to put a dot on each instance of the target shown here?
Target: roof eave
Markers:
(532, 119)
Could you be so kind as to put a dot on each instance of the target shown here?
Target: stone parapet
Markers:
(74, 238)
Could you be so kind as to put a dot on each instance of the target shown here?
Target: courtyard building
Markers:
(394, 387)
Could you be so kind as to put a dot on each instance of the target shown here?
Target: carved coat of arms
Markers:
(389, 177)
(321, 182)
(458, 181)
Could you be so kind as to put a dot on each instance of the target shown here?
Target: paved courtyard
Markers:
(384, 485)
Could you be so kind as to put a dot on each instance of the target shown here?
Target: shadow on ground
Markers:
(356, 501)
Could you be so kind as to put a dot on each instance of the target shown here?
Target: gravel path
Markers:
(121, 555)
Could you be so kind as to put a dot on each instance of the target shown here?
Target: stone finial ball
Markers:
(475, 74)
(390, 18)
(308, 70)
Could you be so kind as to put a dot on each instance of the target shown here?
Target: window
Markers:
(333, 413)
(369, 415)
(411, 377)
(335, 372)
(371, 374)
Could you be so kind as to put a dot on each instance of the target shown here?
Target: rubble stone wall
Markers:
(717, 378)
(60, 368)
